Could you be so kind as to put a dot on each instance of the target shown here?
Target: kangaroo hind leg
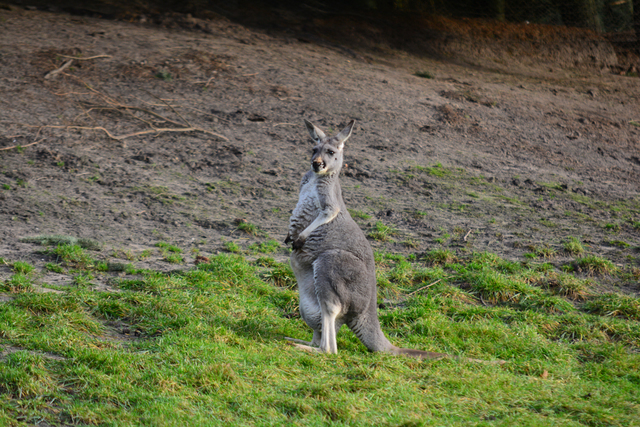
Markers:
(328, 342)
(326, 284)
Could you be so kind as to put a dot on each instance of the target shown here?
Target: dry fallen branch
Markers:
(57, 71)
(467, 235)
(129, 135)
(113, 104)
(129, 107)
(85, 59)
(170, 107)
(22, 146)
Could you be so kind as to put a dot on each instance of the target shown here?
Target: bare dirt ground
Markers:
(174, 129)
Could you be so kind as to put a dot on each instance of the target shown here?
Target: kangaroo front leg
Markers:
(325, 216)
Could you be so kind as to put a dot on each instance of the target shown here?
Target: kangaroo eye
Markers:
(331, 152)
(315, 150)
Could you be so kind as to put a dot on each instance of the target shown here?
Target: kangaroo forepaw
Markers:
(298, 243)
(287, 239)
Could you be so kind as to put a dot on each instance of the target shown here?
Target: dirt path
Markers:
(491, 155)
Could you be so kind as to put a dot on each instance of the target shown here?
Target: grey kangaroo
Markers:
(332, 259)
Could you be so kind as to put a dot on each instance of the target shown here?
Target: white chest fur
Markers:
(307, 208)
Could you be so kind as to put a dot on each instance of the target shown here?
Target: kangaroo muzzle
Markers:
(318, 165)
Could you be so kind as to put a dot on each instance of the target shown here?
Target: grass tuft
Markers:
(441, 257)
(436, 170)
(72, 256)
(593, 264)
(23, 267)
(573, 246)
(624, 306)
(231, 247)
(566, 285)
(19, 282)
(382, 233)
(248, 228)
(279, 274)
(267, 247)
(58, 239)
(170, 253)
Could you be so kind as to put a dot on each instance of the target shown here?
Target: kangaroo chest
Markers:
(308, 205)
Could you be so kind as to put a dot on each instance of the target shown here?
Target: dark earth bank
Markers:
(189, 131)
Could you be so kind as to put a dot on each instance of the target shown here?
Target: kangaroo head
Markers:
(327, 153)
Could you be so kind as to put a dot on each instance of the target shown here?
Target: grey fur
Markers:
(332, 259)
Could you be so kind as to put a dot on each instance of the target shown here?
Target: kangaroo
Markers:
(332, 259)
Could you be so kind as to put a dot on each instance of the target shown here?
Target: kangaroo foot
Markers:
(302, 345)
(295, 340)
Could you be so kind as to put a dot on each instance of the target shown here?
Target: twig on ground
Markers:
(424, 287)
(171, 107)
(129, 107)
(114, 104)
(52, 74)
(85, 59)
(129, 135)
(22, 146)
(467, 235)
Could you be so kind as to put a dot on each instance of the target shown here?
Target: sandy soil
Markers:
(175, 131)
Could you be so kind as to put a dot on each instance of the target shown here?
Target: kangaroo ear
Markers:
(314, 131)
(345, 134)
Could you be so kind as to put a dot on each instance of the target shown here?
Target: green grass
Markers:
(248, 228)
(54, 268)
(22, 267)
(204, 347)
(594, 264)
(436, 170)
(614, 228)
(278, 274)
(168, 248)
(545, 251)
(615, 305)
(567, 285)
(17, 283)
(619, 243)
(268, 247)
(231, 247)
(58, 239)
(441, 256)
(411, 243)
(74, 256)
(357, 214)
(170, 253)
(382, 232)
(573, 246)
(173, 258)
